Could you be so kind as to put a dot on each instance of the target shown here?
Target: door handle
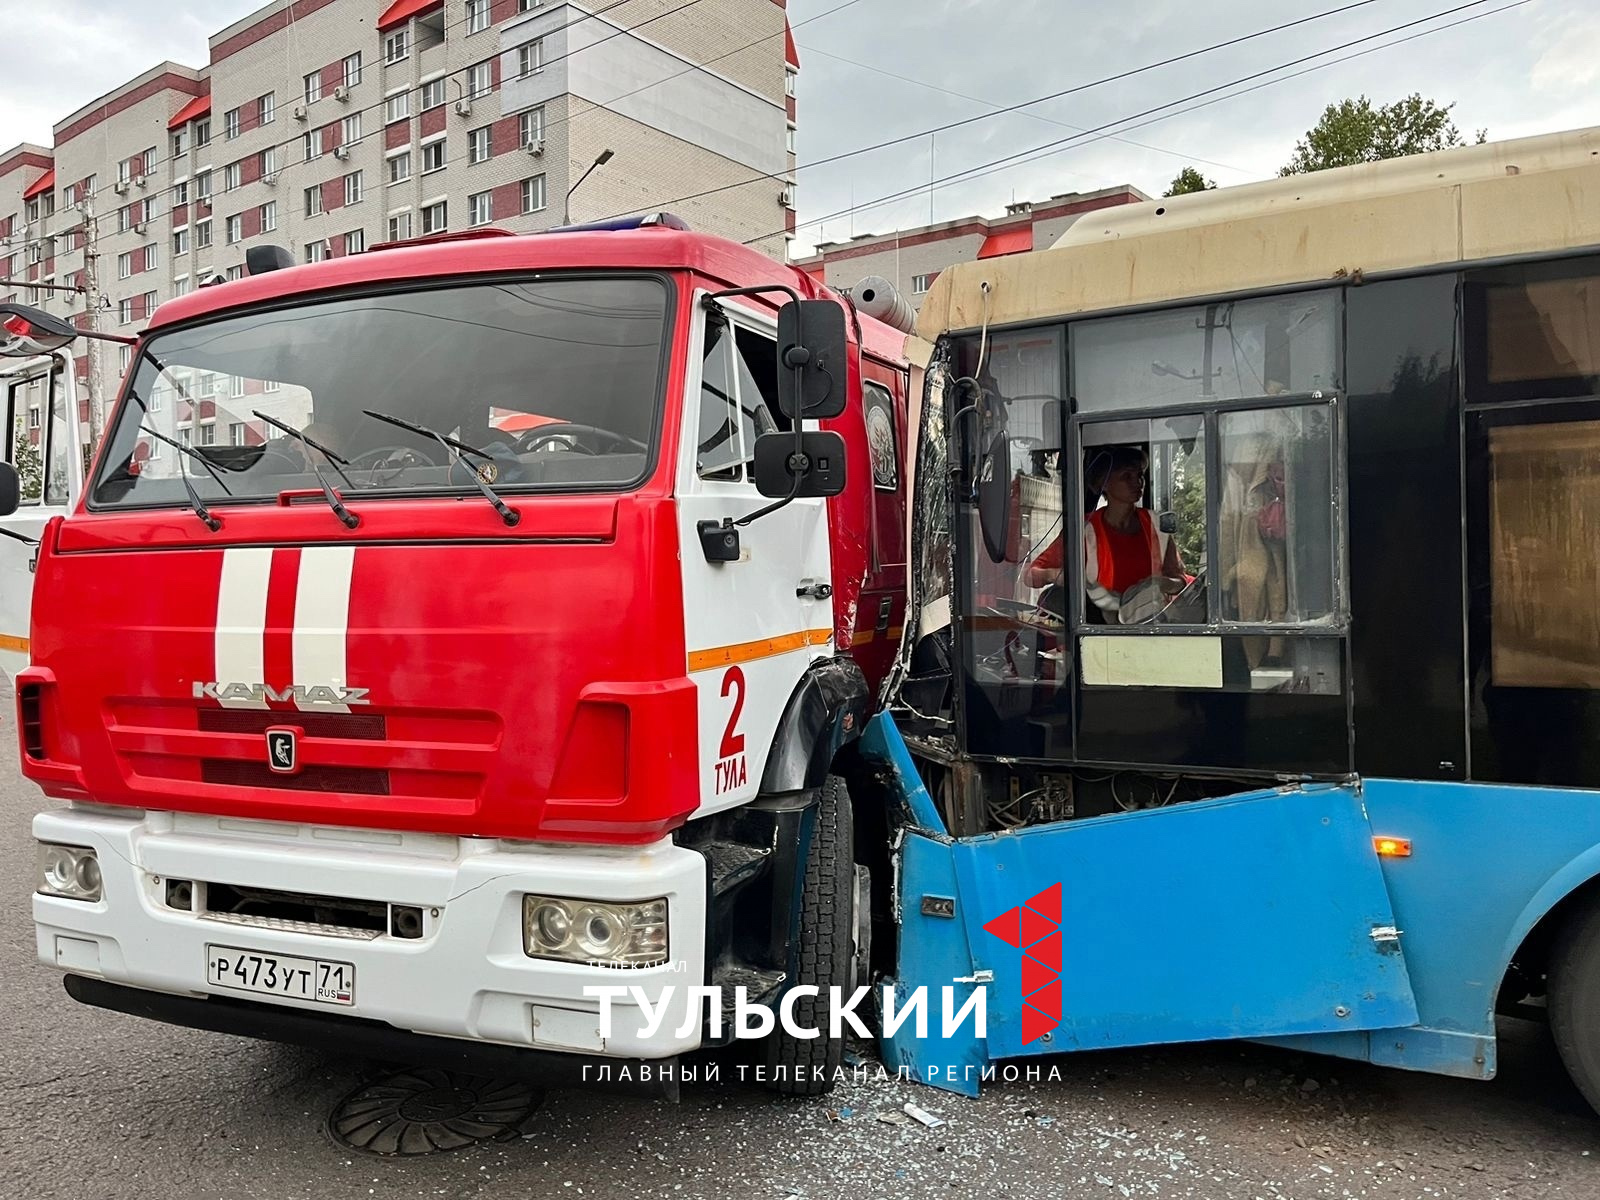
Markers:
(814, 591)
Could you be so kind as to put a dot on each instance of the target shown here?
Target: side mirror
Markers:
(811, 336)
(10, 489)
(818, 461)
(26, 331)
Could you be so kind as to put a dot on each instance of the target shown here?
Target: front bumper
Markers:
(466, 977)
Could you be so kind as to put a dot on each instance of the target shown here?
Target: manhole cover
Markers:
(427, 1111)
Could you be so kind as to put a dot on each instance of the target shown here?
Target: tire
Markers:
(1574, 1001)
(824, 951)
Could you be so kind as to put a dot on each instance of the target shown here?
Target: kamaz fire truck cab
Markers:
(458, 626)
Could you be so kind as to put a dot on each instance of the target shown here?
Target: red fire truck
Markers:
(450, 628)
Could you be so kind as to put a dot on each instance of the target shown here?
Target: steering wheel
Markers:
(398, 458)
(570, 432)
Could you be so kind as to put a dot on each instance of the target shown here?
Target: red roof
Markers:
(42, 184)
(790, 54)
(1007, 241)
(198, 107)
(402, 11)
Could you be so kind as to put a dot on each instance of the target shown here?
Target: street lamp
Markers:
(566, 207)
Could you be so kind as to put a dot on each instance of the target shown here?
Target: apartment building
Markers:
(328, 126)
(911, 259)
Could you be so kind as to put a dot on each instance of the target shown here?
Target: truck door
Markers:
(753, 624)
(40, 441)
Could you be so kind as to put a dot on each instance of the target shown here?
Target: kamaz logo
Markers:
(299, 693)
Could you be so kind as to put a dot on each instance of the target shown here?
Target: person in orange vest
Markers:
(1121, 547)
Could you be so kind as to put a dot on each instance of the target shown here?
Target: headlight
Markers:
(595, 931)
(72, 872)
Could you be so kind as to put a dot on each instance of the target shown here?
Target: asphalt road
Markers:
(95, 1105)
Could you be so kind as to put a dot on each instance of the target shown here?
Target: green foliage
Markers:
(1189, 505)
(1354, 131)
(1189, 180)
(29, 463)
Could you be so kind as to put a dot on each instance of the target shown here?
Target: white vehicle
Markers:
(42, 431)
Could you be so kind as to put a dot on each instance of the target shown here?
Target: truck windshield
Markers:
(557, 380)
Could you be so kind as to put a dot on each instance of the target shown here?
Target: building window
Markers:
(530, 127)
(789, 76)
(312, 144)
(266, 108)
(355, 241)
(530, 58)
(434, 218)
(269, 162)
(230, 124)
(313, 87)
(180, 242)
(235, 433)
(269, 216)
(234, 272)
(208, 432)
(186, 436)
(125, 265)
(789, 136)
(147, 162)
(433, 156)
(202, 186)
(202, 133)
(533, 194)
(477, 15)
(479, 80)
(921, 283)
(125, 218)
(180, 193)
(313, 200)
(152, 258)
(316, 251)
(433, 94)
(352, 188)
(202, 235)
(528, 5)
(271, 385)
(230, 177)
(396, 47)
(180, 286)
(351, 129)
(399, 227)
(397, 108)
(479, 145)
(234, 230)
(180, 144)
(480, 208)
(125, 312)
(352, 70)
(400, 167)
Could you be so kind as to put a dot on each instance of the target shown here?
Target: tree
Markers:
(1354, 131)
(1189, 180)
(29, 464)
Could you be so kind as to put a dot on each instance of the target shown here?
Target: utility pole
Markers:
(91, 295)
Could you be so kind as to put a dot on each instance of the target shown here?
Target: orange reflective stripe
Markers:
(11, 642)
(726, 656)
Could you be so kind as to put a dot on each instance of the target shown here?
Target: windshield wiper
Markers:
(455, 449)
(339, 510)
(199, 506)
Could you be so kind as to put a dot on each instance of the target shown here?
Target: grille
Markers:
(295, 912)
(366, 727)
(366, 781)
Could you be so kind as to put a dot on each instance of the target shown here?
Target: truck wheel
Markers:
(825, 952)
(1574, 1001)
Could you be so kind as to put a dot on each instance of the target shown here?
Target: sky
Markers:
(879, 70)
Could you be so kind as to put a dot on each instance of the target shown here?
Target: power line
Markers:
(1061, 143)
(1035, 157)
(933, 87)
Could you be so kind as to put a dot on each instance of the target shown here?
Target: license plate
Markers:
(281, 975)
